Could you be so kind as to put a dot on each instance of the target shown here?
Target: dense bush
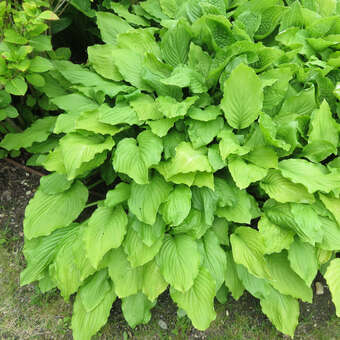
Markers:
(214, 127)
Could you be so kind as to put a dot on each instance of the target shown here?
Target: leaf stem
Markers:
(92, 204)
(93, 185)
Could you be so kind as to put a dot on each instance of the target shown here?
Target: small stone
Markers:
(28, 192)
(319, 288)
(162, 324)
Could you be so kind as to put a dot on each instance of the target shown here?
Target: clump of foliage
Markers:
(215, 126)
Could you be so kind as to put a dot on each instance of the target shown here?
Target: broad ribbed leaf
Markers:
(324, 134)
(243, 211)
(202, 133)
(134, 160)
(303, 260)
(245, 173)
(78, 149)
(198, 301)
(175, 44)
(106, 230)
(214, 257)
(136, 309)
(127, 280)
(101, 58)
(54, 184)
(119, 194)
(40, 252)
(282, 310)
(37, 132)
(248, 249)
(283, 190)
(313, 176)
(71, 267)
(177, 206)
(86, 324)
(93, 292)
(171, 108)
(232, 279)
(149, 234)
(110, 25)
(275, 238)
(186, 160)
(332, 277)
(153, 281)
(285, 280)
(46, 213)
(332, 204)
(146, 199)
(243, 96)
(138, 253)
(179, 261)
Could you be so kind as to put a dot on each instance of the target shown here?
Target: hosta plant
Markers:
(215, 127)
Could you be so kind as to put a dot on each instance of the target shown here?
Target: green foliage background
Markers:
(211, 126)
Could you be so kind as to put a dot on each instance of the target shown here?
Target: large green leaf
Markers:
(332, 204)
(175, 44)
(332, 277)
(245, 173)
(46, 213)
(198, 301)
(248, 249)
(149, 234)
(121, 272)
(136, 309)
(285, 280)
(313, 176)
(134, 160)
(171, 108)
(101, 58)
(242, 211)
(214, 257)
(85, 323)
(177, 206)
(76, 74)
(186, 160)
(301, 218)
(138, 253)
(37, 132)
(94, 290)
(243, 96)
(275, 238)
(232, 279)
(106, 230)
(179, 261)
(283, 190)
(303, 260)
(323, 136)
(282, 311)
(146, 199)
(71, 267)
(78, 149)
(39, 255)
(202, 133)
(153, 281)
(110, 25)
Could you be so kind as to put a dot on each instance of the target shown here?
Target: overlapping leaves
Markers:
(215, 124)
